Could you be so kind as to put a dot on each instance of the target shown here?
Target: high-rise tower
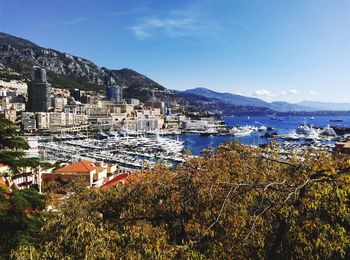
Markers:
(114, 93)
(39, 91)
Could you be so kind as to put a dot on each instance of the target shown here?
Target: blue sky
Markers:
(275, 50)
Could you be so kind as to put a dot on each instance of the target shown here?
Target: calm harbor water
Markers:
(197, 143)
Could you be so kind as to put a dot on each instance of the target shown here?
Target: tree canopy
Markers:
(20, 218)
(235, 202)
(12, 147)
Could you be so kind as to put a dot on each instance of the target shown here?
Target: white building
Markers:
(57, 119)
(33, 143)
(149, 124)
(59, 103)
(69, 119)
(3, 92)
(194, 124)
(42, 120)
(19, 107)
(77, 109)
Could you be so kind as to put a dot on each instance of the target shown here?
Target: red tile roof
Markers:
(118, 179)
(2, 181)
(124, 179)
(79, 167)
(135, 178)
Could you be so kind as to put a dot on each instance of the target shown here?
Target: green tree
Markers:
(63, 187)
(12, 147)
(20, 219)
(236, 202)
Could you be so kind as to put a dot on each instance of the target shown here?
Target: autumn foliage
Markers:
(236, 202)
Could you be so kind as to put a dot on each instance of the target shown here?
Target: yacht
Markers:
(328, 131)
(262, 128)
(209, 131)
(312, 136)
(303, 132)
(293, 136)
(241, 131)
(306, 130)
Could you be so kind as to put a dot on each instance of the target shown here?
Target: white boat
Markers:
(262, 128)
(303, 132)
(241, 131)
(312, 136)
(328, 131)
(210, 131)
(293, 136)
(304, 129)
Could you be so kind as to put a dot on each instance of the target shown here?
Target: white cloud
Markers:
(263, 93)
(141, 32)
(179, 24)
(170, 27)
(269, 94)
(293, 92)
(312, 93)
(282, 93)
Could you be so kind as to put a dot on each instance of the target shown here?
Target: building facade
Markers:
(92, 172)
(39, 91)
(28, 121)
(114, 93)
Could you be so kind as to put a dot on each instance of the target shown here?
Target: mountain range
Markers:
(18, 56)
(326, 105)
(276, 105)
(247, 101)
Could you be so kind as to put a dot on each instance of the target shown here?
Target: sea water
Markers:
(283, 125)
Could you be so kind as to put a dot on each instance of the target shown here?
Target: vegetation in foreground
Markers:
(12, 147)
(234, 202)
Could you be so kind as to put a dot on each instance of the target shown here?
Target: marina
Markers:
(276, 128)
(130, 152)
(138, 150)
